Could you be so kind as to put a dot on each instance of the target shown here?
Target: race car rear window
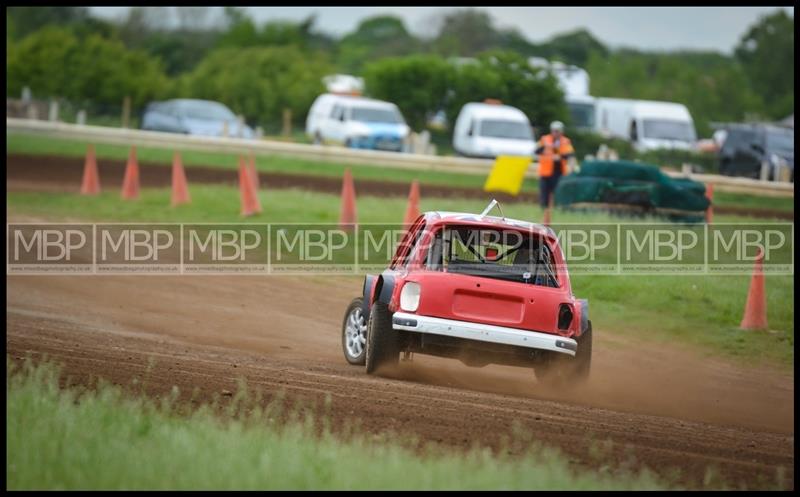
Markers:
(500, 254)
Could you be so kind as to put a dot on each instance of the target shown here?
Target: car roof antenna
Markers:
(494, 203)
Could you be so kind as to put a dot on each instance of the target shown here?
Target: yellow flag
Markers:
(507, 174)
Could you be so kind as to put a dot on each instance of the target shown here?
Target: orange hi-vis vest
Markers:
(546, 157)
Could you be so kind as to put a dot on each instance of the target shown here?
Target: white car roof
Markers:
(360, 101)
(665, 110)
(484, 111)
(651, 108)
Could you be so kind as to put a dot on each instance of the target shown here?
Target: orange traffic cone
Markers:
(251, 172)
(412, 211)
(130, 185)
(755, 311)
(710, 197)
(91, 179)
(347, 219)
(254, 173)
(248, 195)
(180, 190)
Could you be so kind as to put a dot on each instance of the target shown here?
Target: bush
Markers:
(507, 76)
(259, 82)
(417, 84)
(443, 139)
(54, 63)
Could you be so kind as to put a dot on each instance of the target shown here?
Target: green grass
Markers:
(743, 200)
(102, 439)
(33, 144)
(700, 311)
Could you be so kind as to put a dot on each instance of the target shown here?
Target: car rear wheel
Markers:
(383, 347)
(562, 370)
(354, 333)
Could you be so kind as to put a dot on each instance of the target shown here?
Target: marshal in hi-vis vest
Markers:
(546, 157)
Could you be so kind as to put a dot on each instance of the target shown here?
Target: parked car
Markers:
(647, 124)
(490, 129)
(478, 288)
(194, 117)
(357, 122)
(748, 146)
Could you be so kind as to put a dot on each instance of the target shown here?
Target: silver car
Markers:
(194, 117)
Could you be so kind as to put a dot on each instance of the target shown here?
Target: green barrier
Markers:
(635, 188)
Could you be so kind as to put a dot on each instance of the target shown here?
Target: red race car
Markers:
(478, 288)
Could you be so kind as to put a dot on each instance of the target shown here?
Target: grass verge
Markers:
(701, 311)
(33, 144)
(101, 439)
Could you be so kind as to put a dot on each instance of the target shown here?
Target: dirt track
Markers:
(54, 173)
(668, 408)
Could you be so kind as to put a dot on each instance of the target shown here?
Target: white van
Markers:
(648, 124)
(356, 122)
(489, 129)
(583, 111)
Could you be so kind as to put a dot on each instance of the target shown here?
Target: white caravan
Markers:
(491, 129)
(356, 122)
(573, 80)
(648, 124)
(582, 111)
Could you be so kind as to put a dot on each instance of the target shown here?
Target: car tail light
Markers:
(409, 297)
(564, 316)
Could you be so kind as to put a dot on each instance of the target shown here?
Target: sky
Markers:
(645, 28)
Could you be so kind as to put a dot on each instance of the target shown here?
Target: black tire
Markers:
(383, 347)
(583, 357)
(562, 370)
(353, 356)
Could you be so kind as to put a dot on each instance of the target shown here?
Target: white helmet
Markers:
(556, 126)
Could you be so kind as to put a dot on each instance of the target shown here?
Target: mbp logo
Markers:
(46, 247)
(312, 248)
(661, 245)
(225, 248)
(137, 248)
(734, 247)
(134, 245)
(222, 245)
(662, 248)
(744, 243)
(310, 245)
(589, 248)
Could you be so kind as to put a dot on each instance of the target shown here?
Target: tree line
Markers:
(260, 69)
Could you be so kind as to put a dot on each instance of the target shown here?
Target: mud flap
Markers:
(369, 281)
(377, 289)
(386, 284)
